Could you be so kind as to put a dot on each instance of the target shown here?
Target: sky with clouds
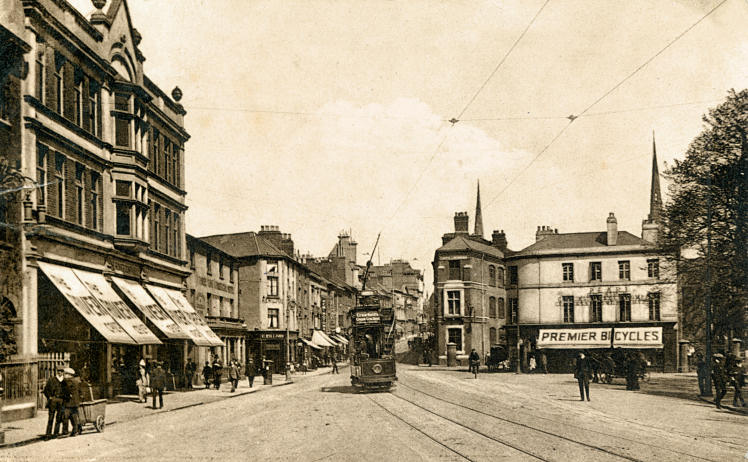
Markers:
(324, 115)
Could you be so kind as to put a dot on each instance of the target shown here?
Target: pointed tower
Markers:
(478, 216)
(651, 226)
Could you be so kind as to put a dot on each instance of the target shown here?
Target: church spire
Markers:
(655, 199)
(478, 216)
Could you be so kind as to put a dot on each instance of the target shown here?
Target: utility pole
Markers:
(708, 391)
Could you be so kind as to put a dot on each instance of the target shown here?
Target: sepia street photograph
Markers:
(373, 230)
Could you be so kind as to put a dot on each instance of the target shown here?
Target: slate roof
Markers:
(461, 242)
(244, 245)
(592, 241)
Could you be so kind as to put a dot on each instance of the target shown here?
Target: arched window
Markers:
(501, 277)
(492, 335)
(502, 310)
(492, 307)
(492, 275)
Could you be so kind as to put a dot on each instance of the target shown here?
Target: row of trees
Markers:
(705, 227)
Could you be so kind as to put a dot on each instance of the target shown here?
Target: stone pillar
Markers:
(451, 354)
(683, 365)
(28, 345)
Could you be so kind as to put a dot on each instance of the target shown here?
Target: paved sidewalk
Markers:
(21, 432)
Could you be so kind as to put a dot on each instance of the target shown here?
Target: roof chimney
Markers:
(612, 229)
(544, 231)
(461, 222)
(498, 239)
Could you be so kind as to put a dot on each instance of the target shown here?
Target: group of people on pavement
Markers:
(726, 371)
(64, 395)
(151, 380)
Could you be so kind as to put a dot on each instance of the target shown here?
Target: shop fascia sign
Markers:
(601, 337)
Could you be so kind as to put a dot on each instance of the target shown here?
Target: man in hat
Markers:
(190, 370)
(71, 398)
(158, 382)
(583, 372)
(53, 392)
(719, 379)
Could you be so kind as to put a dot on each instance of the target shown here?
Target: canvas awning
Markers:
(318, 338)
(184, 321)
(311, 344)
(180, 301)
(86, 304)
(327, 337)
(118, 309)
(340, 338)
(137, 294)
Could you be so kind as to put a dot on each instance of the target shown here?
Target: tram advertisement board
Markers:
(605, 337)
(366, 317)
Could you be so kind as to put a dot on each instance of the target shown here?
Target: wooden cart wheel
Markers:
(99, 424)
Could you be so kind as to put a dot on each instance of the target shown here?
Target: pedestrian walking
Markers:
(719, 379)
(158, 382)
(334, 367)
(143, 381)
(544, 362)
(217, 368)
(53, 392)
(234, 374)
(207, 374)
(474, 360)
(737, 379)
(582, 372)
(702, 372)
(250, 370)
(189, 371)
(632, 372)
(71, 398)
(533, 364)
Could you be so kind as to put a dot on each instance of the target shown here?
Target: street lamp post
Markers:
(288, 339)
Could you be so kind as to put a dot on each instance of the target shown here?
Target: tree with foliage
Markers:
(709, 201)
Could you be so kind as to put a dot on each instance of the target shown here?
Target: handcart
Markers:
(93, 412)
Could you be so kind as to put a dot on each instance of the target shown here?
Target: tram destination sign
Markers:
(366, 317)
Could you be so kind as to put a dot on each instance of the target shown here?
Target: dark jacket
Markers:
(53, 390)
(234, 371)
(250, 370)
(582, 368)
(158, 378)
(71, 392)
(474, 357)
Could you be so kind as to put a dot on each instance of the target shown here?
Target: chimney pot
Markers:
(612, 229)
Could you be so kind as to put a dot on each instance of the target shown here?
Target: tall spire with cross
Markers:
(655, 199)
(478, 216)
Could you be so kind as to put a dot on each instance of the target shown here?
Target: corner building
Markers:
(102, 254)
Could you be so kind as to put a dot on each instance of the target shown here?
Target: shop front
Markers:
(561, 344)
(270, 346)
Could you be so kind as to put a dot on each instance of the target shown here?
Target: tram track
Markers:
(548, 433)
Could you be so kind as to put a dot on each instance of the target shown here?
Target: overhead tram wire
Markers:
(454, 120)
(573, 117)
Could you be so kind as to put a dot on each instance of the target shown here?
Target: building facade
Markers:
(102, 247)
(469, 291)
(213, 290)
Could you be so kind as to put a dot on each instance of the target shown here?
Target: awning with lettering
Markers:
(319, 339)
(145, 303)
(603, 337)
(118, 309)
(180, 301)
(311, 344)
(86, 304)
(184, 321)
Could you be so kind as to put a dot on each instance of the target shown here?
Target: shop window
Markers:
(653, 268)
(568, 302)
(454, 303)
(454, 335)
(596, 308)
(568, 272)
(624, 270)
(624, 307)
(273, 317)
(654, 306)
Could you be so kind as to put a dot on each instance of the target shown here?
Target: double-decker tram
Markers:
(372, 344)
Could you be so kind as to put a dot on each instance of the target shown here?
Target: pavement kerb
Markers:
(186, 406)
